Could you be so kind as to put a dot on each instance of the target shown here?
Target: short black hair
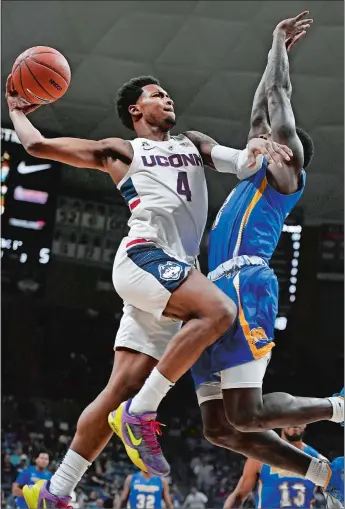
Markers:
(128, 94)
(41, 450)
(308, 146)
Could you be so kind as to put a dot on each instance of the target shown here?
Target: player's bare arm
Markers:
(112, 155)
(122, 502)
(278, 90)
(166, 494)
(259, 119)
(230, 160)
(245, 485)
(17, 490)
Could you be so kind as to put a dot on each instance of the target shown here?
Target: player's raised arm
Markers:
(259, 118)
(74, 151)
(122, 502)
(245, 485)
(243, 163)
(278, 86)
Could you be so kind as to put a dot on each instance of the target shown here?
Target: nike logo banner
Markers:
(25, 169)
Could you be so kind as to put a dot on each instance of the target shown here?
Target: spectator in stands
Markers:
(16, 456)
(175, 496)
(23, 465)
(30, 476)
(8, 472)
(195, 500)
(95, 501)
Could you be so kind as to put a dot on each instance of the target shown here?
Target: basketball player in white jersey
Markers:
(162, 180)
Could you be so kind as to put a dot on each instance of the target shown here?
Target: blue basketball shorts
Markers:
(254, 290)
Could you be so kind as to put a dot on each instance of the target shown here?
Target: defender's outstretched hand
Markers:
(294, 28)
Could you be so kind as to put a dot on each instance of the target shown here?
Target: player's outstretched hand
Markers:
(294, 28)
(15, 102)
(274, 152)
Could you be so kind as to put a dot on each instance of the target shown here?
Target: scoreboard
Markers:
(29, 189)
(88, 232)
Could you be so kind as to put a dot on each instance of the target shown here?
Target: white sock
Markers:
(69, 473)
(338, 409)
(318, 472)
(151, 394)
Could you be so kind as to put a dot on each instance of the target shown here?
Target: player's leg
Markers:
(266, 446)
(245, 406)
(192, 298)
(129, 371)
(207, 313)
(153, 281)
(249, 410)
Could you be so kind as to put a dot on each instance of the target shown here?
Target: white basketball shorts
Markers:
(145, 276)
(247, 375)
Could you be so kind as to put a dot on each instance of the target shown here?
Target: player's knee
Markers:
(125, 387)
(246, 420)
(222, 318)
(214, 435)
(223, 436)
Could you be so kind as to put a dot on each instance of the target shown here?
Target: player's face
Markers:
(294, 433)
(42, 460)
(156, 107)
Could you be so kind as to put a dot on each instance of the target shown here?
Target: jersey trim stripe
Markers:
(259, 493)
(247, 213)
(130, 194)
(139, 241)
(328, 477)
(251, 339)
(134, 203)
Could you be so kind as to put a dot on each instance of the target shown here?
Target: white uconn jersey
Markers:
(165, 189)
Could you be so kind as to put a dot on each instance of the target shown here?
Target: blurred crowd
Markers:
(196, 464)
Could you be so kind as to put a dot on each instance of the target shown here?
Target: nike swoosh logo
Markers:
(135, 441)
(23, 169)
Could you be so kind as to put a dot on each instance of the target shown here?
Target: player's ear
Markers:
(134, 110)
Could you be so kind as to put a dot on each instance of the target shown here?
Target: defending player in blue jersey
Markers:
(275, 488)
(31, 475)
(145, 491)
(229, 374)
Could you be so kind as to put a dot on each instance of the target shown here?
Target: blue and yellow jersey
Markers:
(251, 219)
(280, 488)
(30, 475)
(145, 493)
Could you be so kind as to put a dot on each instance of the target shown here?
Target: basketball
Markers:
(41, 75)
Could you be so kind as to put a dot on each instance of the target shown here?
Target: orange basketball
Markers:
(41, 75)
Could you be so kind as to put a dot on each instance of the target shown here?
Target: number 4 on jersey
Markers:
(183, 185)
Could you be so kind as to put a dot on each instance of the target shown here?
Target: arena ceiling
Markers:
(209, 55)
